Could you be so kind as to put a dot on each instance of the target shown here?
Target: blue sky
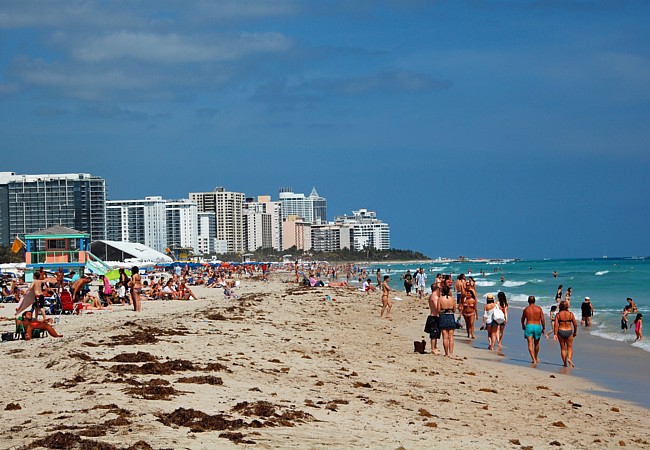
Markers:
(479, 128)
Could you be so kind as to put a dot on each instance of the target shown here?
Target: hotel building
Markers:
(138, 221)
(29, 203)
(366, 230)
(182, 225)
(228, 209)
(312, 209)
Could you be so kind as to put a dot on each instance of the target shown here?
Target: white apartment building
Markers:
(366, 230)
(312, 209)
(182, 224)
(331, 237)
(228, 209)
(207, 234)
(262, 223)
(138, 221)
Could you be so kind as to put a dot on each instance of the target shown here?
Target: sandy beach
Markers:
(282, 367)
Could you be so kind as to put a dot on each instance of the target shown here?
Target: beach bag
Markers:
(498, 316)
(420, 346)
(459, 323)
(428, 326)
(9, 336)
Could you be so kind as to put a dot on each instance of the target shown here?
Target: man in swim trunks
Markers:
(587, 310)
(459, 287)
(532, 322)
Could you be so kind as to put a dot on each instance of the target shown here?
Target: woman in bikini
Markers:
(558, 295)
(565, 329)
(136, 288)
(469, 311)
(447, 321)
(386, 304)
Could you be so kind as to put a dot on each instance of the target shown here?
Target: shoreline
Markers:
(312, 372)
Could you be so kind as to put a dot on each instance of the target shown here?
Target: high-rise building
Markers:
(262, 223)
(228, 209)
(182, 225)
(138, 221)
(312, 209)
(296, 232)
(366, 230)
(207, 233)
(29, 203)
(331, 237)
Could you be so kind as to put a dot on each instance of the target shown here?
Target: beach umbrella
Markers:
(115, 274)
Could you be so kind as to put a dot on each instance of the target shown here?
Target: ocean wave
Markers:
(613, 336)
(601, 273)
(518, 298)
(485, 283)
(514, 283)
(645, 345)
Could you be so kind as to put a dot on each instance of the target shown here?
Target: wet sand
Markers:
(282, 367)
(619, 370)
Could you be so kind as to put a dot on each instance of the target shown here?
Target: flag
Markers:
(18, 244)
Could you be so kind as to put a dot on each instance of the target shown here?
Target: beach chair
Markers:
(68, 306)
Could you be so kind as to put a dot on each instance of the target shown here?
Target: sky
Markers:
(483, 128)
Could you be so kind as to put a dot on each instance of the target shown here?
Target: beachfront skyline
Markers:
(527, 121)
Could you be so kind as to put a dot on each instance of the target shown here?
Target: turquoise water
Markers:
(607, 281)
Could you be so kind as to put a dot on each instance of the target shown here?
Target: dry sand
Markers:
(282, 367)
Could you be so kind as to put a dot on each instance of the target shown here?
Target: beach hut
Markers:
(55, 247)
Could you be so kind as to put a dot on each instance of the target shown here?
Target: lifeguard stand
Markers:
(56, 247)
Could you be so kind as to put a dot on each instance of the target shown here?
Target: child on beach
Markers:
(551, 316)
(638, 327)
(626, 311)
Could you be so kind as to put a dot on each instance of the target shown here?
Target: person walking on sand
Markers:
(378, 277)
(638, 327)
(420, 282)
(532, 322)
(489, 323)
(469, 311)
(587, 310)
(502, 303)
(447, 306)
(386, 304)
(434, 312)
(565, 328)
(136, 288)
(459, 288)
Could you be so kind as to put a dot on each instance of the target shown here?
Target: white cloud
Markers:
(176, 48)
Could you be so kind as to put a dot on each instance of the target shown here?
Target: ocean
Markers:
(607, 281)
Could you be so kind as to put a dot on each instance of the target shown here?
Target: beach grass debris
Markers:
(134, 357)
(205, 379)
(424, 413)
(559, 424)
(13, 407)
(359, 384)
(615, 409)
(490, 390)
